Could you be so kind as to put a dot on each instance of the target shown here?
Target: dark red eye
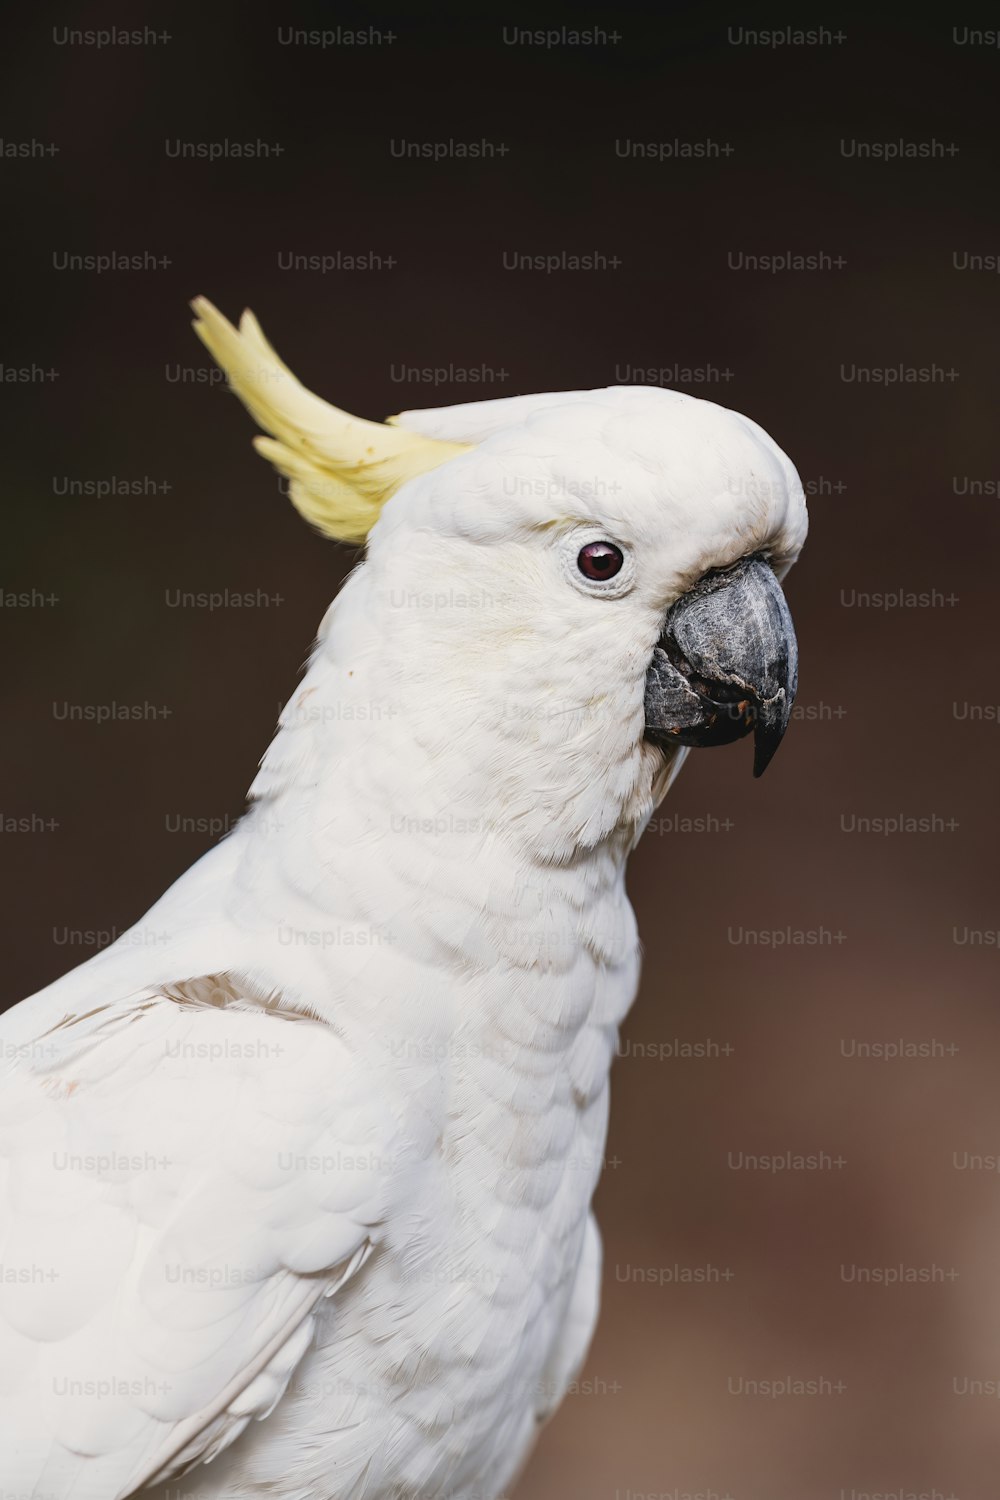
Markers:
(599, 560)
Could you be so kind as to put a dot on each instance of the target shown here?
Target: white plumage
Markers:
(300, 1168)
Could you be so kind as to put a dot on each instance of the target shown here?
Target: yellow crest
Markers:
(342, 468)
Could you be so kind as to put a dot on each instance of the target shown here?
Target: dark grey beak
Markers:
(726, 664)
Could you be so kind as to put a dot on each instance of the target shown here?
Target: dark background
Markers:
(897, 706)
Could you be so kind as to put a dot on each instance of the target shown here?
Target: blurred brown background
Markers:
(718, 1275)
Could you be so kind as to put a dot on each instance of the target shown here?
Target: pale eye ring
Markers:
(600, 561)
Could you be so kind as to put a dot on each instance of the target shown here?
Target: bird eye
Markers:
(599, 560)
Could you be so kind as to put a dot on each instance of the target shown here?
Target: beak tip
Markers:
(768, 734)
(760, 765)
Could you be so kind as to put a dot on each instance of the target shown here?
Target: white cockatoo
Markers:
(295, 1177)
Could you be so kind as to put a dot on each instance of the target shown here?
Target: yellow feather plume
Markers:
(342, 468)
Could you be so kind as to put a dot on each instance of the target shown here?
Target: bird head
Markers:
(593, 576)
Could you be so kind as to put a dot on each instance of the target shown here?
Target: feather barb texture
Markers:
(342, 469)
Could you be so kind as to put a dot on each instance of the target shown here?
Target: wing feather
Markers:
(180, 1184)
